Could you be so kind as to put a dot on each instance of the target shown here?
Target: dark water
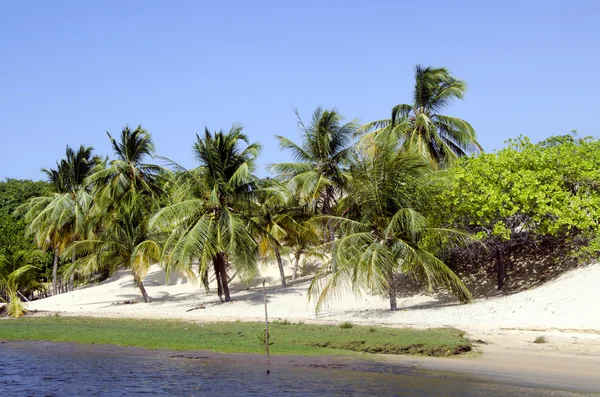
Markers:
(46, 369)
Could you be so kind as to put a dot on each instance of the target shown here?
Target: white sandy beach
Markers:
(569, 303)
(566, 311)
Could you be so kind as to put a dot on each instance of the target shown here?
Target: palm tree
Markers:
(278, 221)
(125, 195)
(210, 222)
(420, 126)
(16, 278)
(127, 175)
(123, 240)
(58, 220)
(319, 174)
(383, 233)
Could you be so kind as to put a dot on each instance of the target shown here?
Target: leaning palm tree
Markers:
(16, 276)
(383, 234)
(210, 220)
(420, 127)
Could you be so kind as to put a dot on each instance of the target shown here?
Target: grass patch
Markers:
(540, 339)
(346, 325)
(237, 337)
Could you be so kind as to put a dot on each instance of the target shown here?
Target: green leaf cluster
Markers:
(551, 188)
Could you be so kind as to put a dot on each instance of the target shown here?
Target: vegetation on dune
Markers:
(525, 195)
(239, 337)
(383, 233)
(405, 199)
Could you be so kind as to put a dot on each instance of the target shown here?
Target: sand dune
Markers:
(571, 302)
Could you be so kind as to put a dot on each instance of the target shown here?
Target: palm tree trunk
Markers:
(72, 276)
(280, 264)
(330, 235)
(332, 239)
(140, 284)
(55, 272)
(392, 293)
(221, 274)
(297, 260)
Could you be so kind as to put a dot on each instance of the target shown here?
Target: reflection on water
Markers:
(51, 370)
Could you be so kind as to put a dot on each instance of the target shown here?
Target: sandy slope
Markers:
(571, 302)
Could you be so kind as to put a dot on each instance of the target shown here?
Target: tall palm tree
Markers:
(58, 220)
(318, 176)
(383, 232)
(127, 175)
(210, 222)
(125, 195)
(420, 126)
(318, 172)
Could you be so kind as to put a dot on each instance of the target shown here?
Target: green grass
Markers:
(237, 337)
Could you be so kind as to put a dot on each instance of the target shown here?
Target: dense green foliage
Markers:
(400, 201)
(525, 195)
(550, 188)
(239, 337)
(16, 249)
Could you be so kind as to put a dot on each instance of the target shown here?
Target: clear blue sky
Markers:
(71, 70)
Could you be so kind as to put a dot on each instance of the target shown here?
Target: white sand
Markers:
(571, 302)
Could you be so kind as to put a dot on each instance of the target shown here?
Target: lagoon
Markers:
(66, 369)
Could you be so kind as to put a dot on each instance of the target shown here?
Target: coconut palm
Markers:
(318, 176)
(280, 222)
(383, 234)
(123, 241)
(125, 195)
(210, 221)
(302, 240)
(16, 278)
(58, 220)
(420, 126)
(127, 175)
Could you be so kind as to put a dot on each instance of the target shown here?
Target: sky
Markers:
(72, 70)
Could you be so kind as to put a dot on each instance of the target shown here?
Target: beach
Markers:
(563, 311)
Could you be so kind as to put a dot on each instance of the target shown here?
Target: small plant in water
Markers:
(540, 339)
(346, 325)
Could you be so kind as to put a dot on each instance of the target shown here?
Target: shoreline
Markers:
(470, 367)
(564, 311)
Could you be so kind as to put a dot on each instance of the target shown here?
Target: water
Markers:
(48, 369)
